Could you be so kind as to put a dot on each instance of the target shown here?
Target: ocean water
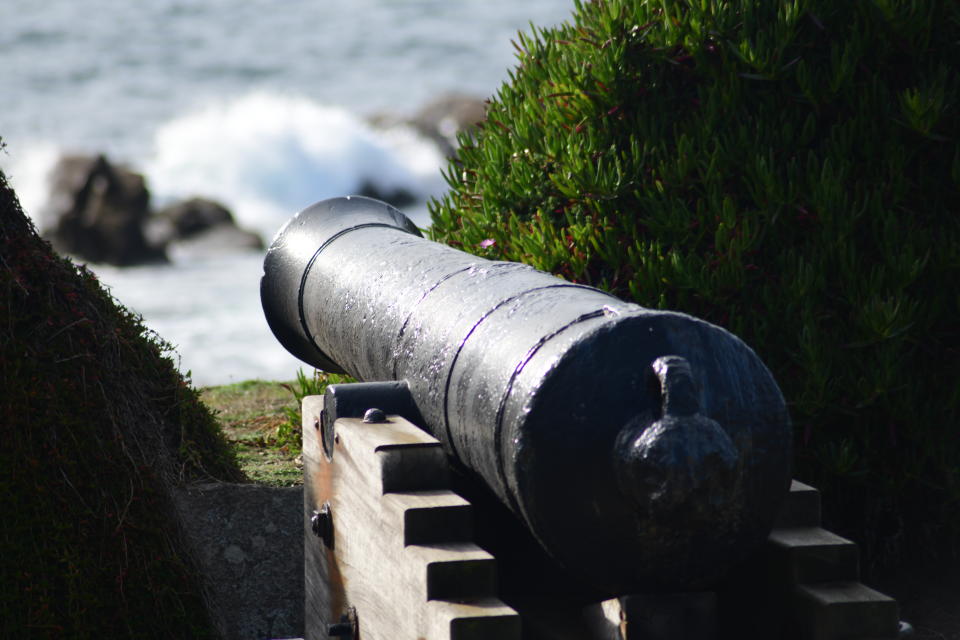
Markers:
(257, 103)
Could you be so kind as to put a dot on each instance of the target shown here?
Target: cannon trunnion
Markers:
(643, 449)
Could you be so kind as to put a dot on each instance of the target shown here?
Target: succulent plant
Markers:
(788, 170)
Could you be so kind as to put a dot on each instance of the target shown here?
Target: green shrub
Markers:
(788, 170)
(97, 426)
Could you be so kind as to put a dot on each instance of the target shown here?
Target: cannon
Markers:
(644, 450)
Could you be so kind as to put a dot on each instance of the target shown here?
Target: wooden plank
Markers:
(431, 517)
(324, 597)
(400, 550)
(839, 610)
(485, 619)
(800, 508)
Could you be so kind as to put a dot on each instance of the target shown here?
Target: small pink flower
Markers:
(489, 242)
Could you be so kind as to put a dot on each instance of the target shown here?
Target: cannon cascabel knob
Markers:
(682, 464)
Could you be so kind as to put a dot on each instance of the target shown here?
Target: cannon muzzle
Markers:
(643, 449)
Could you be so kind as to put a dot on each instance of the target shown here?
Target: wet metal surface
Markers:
(644, 449)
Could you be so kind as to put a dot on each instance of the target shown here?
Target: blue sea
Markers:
(261, 104)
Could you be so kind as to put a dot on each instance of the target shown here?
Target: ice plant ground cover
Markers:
(787, 170)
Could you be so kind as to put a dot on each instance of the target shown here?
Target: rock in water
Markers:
(196, 215)
(99, 210)
(200, 226)
(446, 116)
(439, 120)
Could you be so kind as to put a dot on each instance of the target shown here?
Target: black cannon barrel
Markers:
(643, 449)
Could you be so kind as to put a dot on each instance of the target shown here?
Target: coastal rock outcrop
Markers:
(100, 211)
(398, 197)
(440, 120)
(200, 226)
(97, 211)
(446, 116)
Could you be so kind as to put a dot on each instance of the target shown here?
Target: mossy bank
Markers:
(97, 427)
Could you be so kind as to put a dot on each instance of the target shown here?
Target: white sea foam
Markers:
(209, 310)
(268, 156)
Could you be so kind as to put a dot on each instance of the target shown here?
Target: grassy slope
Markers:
(97, 426)
(261, 420)
(251, 413)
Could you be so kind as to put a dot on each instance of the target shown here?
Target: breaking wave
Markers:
(268, 156)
